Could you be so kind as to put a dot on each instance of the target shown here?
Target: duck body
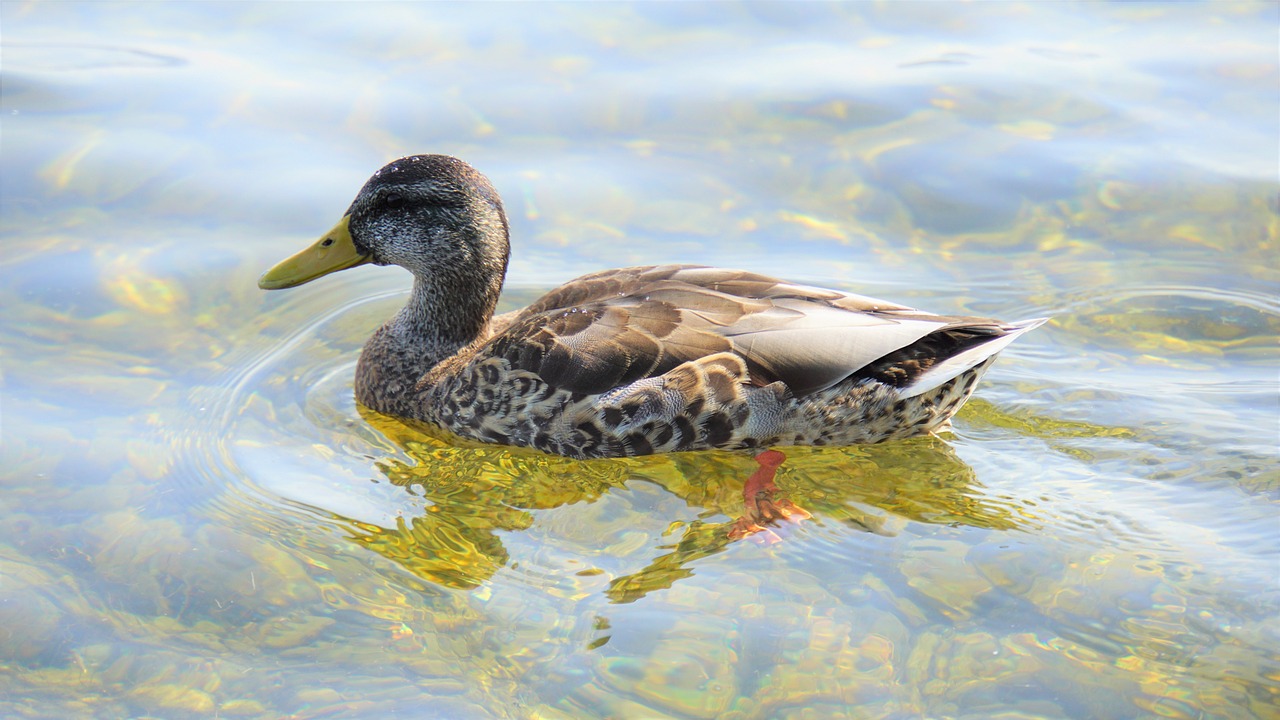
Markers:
(630, 361)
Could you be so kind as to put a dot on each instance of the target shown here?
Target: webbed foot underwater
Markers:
(631, 361)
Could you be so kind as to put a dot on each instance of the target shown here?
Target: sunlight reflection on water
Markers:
(198, 520)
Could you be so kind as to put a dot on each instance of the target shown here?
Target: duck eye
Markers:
(393, 200)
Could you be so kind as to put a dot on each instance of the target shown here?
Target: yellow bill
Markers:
(333, 252)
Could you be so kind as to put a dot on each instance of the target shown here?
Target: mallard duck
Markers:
(632, 361)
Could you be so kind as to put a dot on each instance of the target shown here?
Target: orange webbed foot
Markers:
(762, 509)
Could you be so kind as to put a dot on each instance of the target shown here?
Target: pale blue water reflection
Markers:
(198, 520)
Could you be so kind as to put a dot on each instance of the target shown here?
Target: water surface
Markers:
(198, 520)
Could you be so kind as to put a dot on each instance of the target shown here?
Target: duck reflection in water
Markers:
(474, 494)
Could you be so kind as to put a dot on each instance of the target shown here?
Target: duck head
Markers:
(433, 215)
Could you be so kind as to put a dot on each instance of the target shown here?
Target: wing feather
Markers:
(615, 327)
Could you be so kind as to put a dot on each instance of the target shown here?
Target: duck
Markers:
(630, 361)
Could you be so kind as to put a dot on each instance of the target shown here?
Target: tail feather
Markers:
(968, 359)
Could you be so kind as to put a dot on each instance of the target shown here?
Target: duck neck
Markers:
(445, 314)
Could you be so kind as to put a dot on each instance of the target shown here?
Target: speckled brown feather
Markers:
(609, 365)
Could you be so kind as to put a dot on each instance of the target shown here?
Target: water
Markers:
(197, 519)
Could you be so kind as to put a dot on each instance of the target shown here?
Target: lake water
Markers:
(198, 521)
